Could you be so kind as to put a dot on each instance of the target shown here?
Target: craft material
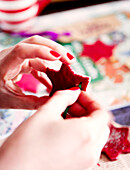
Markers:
(65, 78)
(97, 50)
(117, 143)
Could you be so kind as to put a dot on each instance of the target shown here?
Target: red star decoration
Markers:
(97, 50)
(65, 78)
(117, 142)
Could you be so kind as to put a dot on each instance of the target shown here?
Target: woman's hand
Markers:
(46, 141)
(32, 55)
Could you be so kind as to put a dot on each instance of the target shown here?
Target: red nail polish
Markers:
(70, 56)
(74, 88)
(54, 53)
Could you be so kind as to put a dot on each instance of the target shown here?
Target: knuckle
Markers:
(58, 47)
(18, 48)
(34, 38)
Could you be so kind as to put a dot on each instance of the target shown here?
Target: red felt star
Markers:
(65, 78)
(97, 50)
(117, 142)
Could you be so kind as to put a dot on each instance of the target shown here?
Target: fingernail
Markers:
(55, 54)
(70, 56)
(74, 88)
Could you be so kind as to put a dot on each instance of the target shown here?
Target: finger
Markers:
(41, 64)
(95, 112)
(76, 110)
(32, 51)
(65, 56)
(88, 103)
(17, 78)
(11, 101)
(42, 77)
(21, 52)
(90, 127)
(58, 103)
(84, 106)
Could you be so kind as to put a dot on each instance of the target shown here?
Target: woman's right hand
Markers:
(47, 141)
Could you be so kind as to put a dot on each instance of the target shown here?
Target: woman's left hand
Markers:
(32, 55)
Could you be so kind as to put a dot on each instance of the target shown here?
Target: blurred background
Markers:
(18, 15)
(62, 5)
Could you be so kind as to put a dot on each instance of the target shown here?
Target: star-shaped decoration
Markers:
(117, 142)
(97, 50)
(25, 84)
(65, 78)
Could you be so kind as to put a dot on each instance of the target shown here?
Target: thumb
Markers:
(9, 100)
(12, 97)
(58, 103)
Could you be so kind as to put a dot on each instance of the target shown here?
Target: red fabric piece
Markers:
(97, 50)
(28, 83)
(117, 142)
(65, 78)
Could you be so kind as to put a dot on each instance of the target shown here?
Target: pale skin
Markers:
(45, 140)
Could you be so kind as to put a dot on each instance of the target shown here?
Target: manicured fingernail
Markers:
(74, 88)
(54, 53)
(70, 56)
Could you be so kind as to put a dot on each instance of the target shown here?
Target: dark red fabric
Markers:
(65, 78)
